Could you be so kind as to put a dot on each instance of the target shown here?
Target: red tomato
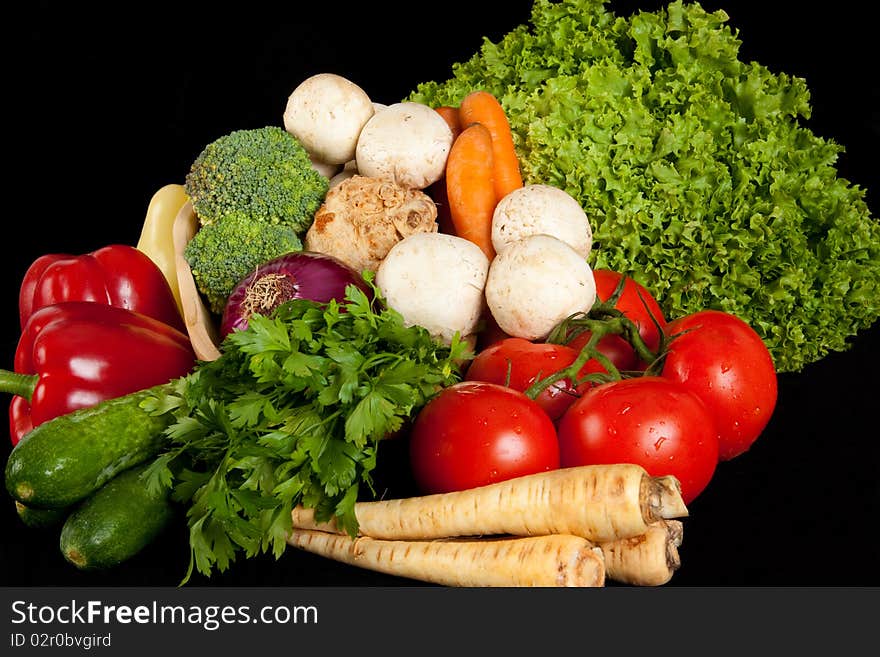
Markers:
(722, 360)
(650, 421)
(526, 362)
(617, 350)
(473, 434)
(635, 302)
(632, 306)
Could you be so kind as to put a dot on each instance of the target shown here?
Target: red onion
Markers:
(298, 275)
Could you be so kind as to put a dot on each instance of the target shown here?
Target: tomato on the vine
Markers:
(636, 302)
(638, 305)
(474, 433)
(722, 360)
(647, 420)
(615, 348)
(518, 363)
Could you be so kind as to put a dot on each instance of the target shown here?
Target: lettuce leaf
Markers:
(697, 170)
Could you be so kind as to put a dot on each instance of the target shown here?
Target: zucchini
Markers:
(67, 458)
(116, 522)
(39, 518)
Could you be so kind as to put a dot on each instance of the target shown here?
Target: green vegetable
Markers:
(263, 174)
(67, 458)
(292, 412)
(39, 518)
(696, 169)
(115, 523)
(222, 253)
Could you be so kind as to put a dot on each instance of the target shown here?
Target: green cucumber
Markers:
(116, 522)
(65, 459)
(39, 518)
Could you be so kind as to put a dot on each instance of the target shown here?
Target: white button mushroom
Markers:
(435, 281)
(407, 143)
(535, 283)
(348, 171)
(327, 112)
(541, 209)
(326, 170)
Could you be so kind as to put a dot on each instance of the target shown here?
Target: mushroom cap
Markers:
(435, 281)
(327, 112)
(541, 209)
(407, 143)
(535, 283)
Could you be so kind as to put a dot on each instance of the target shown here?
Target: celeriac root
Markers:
(597, 502)
(537, 561)
(646, 560)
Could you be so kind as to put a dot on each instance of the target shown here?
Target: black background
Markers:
(104, 107)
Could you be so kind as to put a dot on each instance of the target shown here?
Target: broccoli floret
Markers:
(222, 253)
(263, 174)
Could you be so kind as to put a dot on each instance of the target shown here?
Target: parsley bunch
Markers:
(292, 413)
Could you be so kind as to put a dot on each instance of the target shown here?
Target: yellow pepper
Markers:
(156, 235)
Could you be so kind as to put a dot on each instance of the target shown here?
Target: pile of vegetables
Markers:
(698, 174)
(423, 272)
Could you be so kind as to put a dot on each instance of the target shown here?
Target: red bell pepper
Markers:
(75, 354)
(116, 275)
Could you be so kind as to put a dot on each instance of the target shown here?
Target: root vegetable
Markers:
(327, 112)
(649, 559)
(541, 209)
(535, 283)
(407, 143)
(484, 108)
(435, 281)
(470, 187)
(200, 326)
(598, 502)
(437, 190)
(362, 218)
(451, 116)
(541, 561)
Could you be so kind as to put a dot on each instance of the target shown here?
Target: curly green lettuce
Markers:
(696, 169)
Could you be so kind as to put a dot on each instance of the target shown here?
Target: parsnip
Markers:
(598, 502)
(536, 561)
(202, 331)
(646, 560)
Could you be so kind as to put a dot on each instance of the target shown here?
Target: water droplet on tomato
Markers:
(659, 442)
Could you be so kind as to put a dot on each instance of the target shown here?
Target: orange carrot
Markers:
(482, 107)
(596, 502)
(470, 186)
(541, 561)
(451, 116)
(437, 190)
